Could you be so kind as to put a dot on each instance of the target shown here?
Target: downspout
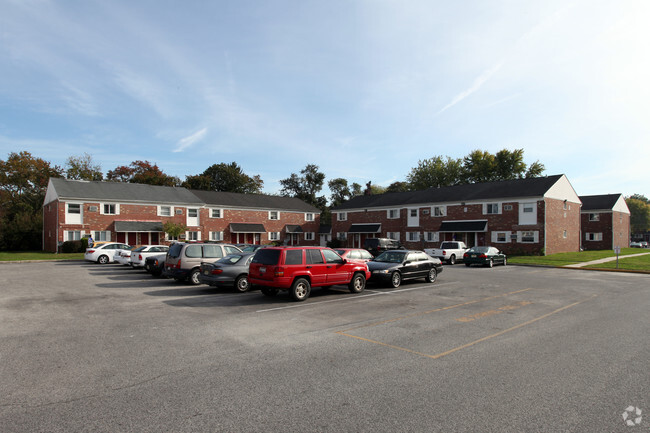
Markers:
(545, 225)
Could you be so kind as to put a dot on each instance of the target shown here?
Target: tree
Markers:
(83, 168)
(398, 187)
(225, 177)
(340, 191)
(480, 166)
(23, 183)
(306, 186)
(174, 230)
(639, 214)
(436, 172)
(142, 172)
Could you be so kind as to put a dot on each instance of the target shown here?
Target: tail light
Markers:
(484, 256)
(140, 257)
(465, 255)
(90, 251)
(279, 272)
(217, 271)
(156, 262)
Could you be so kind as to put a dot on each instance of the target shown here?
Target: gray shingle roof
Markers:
(533, 187)
(122, 192)
(599, 202)
(254, 201)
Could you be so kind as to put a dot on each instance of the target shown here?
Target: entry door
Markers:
(356, 243)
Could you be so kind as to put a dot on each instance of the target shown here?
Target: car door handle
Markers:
(308, 267)
(329, 266)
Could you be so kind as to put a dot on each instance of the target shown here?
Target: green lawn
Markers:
(11, 256)
(641, 263)
(562, 259)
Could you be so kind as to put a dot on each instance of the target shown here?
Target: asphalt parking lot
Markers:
(85, 347)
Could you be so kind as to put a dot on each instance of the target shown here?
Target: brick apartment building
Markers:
(605, 222)
(523, 216)
(135, 214)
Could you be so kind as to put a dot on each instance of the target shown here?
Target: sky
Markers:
(364, 89)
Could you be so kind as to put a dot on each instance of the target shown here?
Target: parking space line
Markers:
(472, 343)
(350, 298)
(422, 313)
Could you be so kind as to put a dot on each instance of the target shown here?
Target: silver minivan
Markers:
(183, 260)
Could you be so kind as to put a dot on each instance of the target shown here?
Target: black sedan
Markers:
(486, 256)
(394, 266)
(231, 270)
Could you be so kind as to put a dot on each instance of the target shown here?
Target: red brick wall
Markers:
(559, 220)
(615, 227)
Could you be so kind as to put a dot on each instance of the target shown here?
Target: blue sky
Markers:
(363, 89)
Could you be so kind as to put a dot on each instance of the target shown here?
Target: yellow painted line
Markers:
(493, 312)
(465, 346)
(422, 313)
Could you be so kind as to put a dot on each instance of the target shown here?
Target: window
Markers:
(564, 234)
(314, 257)
(99, 236)
(507, 207)
(439, 211)
(492, 208)
(169, 237)
(528, 237)
(502, 237)
(309, 236)
(165, 211)
(413, 236)
(594, 217)
(110, 209)
(393, 235)
(274, 215)
(274, 236)
(192, 236)
(309, 217)
(73, 235)
(216, 236)
(293, 257)
(414, 212)
(341, 236)
(528, 208)
(393, 214)
(192, 213)
(331, 257)
(216, 213)
(593, 236)
(432, 236)
(343, 216)
(74, 208)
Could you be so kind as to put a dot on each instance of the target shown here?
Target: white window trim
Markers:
(96, 238)
(310, 216)
(431, 236)
(171, 210)
(442, 209)
(274, 236)
(393, 235)
(415, 235)
(309, 236)
(535, 237)
(187, 235)
(102, 211)
(271, 212)
(495, 237)
(342, 236)
(342, 216)
(82, 233)
(216, 236)
(485, 208)
(598, 236)
(220, 213)
(397, 211)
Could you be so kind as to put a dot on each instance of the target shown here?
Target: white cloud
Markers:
(478, 83)
(186, 142)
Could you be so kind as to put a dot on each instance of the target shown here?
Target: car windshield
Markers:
(479, 249)
(230, 259)
(390, 257)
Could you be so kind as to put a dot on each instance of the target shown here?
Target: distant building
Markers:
(135, 214)
(605, 221)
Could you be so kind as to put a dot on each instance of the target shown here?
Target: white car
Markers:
(103, 253)
(123, 255)
(139, 255)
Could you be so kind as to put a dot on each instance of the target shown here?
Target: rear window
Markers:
(451, 245)
(175, 250)
(267, 256)
(212, 251)
(193, 251)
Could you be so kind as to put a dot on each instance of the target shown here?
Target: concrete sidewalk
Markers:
(608, 259)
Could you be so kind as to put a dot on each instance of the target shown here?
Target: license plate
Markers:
(473, 256)
(262, 270)
(206, 272)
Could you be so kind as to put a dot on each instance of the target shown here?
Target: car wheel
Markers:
(102, 260)
(452, 259)
(357, 284)
(395, 279)
(432, 275)
(467, 264)
(241, 284)
(300, 289)
(269, 291)
(490, 263)
(505, 261)
(194, 277)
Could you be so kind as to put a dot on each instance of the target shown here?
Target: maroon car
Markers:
(298, 269)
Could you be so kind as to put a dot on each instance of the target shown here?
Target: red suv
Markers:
(298, 269)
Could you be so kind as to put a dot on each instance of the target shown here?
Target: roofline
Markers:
(446, 203)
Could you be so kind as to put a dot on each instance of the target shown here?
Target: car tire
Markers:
(395, 279)
(452, 260)
(505, 261)
(358, 283)
(467, 264)
(432, 275)
(300, 289)
(103, 259)
(241, 284)
(193, 278)
(269, 291)
(490, 263)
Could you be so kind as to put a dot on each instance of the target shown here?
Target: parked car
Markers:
(183, 260)
(231, 270)
(395, 266)
(103, 253)
(298, 269)
(449, 251)
(377, 246)
(486, 256)
(123, 255)
(644, 244)
(249, 248)
(138, 255)
(155, 265)
(354, 254)
(636, 245)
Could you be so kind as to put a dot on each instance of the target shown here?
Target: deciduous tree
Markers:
(225, 177)
(639, 214)
(83, 168)
(142, 172)
(306, 186)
